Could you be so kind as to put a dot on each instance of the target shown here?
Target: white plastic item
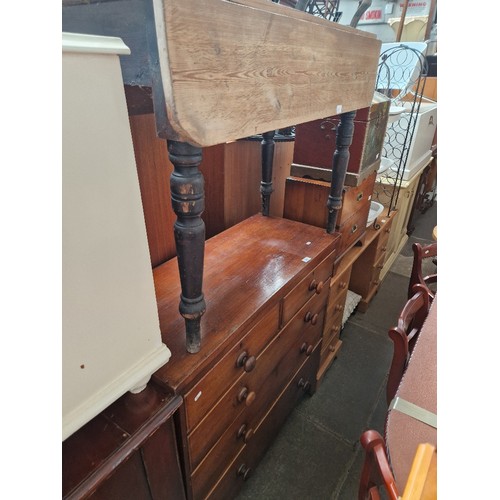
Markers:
(111, 341)
(376, 209)
(419, 151)
(385, 163)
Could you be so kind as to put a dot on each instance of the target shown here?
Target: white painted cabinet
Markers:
(111, 339)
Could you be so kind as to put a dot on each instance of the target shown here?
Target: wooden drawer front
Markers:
(314, 283)
(353, 229)
(243, 357)
(328, 347)
(273, 368)
(338, 292)
(383, 238)
(364, 287)
(377, 268)
(336, 299)
(335, 308)
(379, 264)
(355, 198)
(381, 252)
(242, 429)
(333, 328)
(245, 462)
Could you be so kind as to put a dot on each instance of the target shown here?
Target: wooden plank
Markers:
(234, 69)
(422, 480)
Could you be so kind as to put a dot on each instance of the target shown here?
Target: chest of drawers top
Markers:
(249, 269)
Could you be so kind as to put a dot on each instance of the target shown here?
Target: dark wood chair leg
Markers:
(188, 202)
(345, 131)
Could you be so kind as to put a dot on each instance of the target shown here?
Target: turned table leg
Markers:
(266, 185)
(188, 202)
(345, 131)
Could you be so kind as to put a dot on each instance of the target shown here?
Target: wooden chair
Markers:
(420, 254)
(376, 472)
(404, 336)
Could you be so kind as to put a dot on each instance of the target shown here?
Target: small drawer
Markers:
(383, 240)
(356, 198)
(242, 358)
(378, 266)
(381, 253)
(327, 346)
(353, 228)
(336, 303)
(340, 283)
(313, 283)
(333, 327)
(376, 270)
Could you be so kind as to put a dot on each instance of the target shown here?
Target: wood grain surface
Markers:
(244, 271)
(233, 69)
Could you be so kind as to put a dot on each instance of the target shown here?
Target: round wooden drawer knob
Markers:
(244, 433)
(244, 471)
(304, 384)
(339, 307)
(308, 349)
(335, 329)
(246, 395)
(384, 249)
(380, 266)
(342, 285)
(246, 362)
(388, 230)
(376, 282)
(317, 287)
(313, 318)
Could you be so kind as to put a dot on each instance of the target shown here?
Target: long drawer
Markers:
(241, 359)
(245, 462)
(383, 239)
(255, 390)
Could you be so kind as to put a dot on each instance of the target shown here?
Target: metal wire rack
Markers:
(402, 73)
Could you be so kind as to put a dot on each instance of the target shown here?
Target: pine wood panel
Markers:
(234, 69)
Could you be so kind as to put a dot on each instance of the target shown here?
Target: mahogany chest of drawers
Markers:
(266, 283)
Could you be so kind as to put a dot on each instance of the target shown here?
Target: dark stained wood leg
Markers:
(188, 202)
(266, 185)
(345, 131)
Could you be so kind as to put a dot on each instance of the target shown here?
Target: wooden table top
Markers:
(419, 386)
